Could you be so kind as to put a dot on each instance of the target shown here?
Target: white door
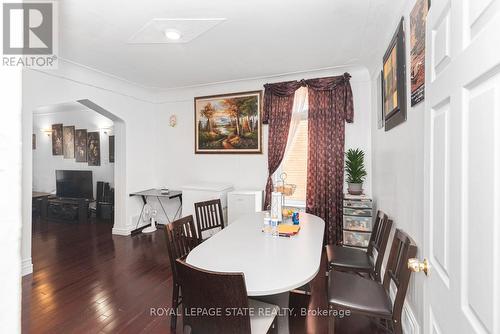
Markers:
(462, 167)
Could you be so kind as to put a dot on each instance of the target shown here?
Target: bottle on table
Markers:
(267, 223)
(274, 227)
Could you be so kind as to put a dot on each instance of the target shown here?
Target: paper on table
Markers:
(288, 229)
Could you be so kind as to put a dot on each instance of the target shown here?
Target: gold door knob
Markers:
(416, 266)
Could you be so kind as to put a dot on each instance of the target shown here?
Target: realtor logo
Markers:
(28, 34)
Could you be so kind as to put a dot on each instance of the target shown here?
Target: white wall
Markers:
(177, 164)
(397, 164)
(10, 199)
(45, 164)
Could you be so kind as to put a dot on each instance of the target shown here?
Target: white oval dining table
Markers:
(272, 265)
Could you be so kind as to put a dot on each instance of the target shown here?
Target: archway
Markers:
(120, 165)
(119, 223)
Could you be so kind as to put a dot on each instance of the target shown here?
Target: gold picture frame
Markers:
(394, 80)
(228, 123)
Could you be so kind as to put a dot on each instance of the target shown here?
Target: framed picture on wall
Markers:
(93, 149)
(394, 80)
(69, 142)
(57, 139)
(81, 145)
(229, 123)
(380, 99)
(111, 148)
(418, 19)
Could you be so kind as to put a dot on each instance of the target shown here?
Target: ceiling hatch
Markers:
(160, 31)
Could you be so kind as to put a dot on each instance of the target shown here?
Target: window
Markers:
(294, 162)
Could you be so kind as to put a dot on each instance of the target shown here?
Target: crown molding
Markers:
(156, 92)
(106, 74)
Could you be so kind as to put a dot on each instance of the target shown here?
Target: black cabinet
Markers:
(68, 210)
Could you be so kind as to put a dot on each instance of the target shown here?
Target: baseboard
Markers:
(409, 321)
(26, 267)
(120, 231)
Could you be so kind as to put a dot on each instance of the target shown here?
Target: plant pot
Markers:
(355, 188)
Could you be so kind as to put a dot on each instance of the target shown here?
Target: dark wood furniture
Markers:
(208, 290)
(370, 298)
(181, 239)
(103, 207)
(40, 203)
(68, 209)
(357, 260)
(208, 216)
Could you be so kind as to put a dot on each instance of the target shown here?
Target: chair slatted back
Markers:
(209, 215)
(378, 241)
(403, 248)
(376, 237)
(208, 290)
(181, 239)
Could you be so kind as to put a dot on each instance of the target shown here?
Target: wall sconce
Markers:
(48, 132)
(106, 131)
(172, 120)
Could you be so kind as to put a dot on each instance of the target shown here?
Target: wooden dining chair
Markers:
(181, 239)
(370, 298)
(226, 294)
(209, 216)
(357, 260)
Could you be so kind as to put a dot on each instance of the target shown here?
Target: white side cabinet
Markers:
(200, 192)
(242, 202)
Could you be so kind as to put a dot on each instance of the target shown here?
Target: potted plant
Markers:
(355, 170)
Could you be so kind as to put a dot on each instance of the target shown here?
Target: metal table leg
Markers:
(144, 202)
(165, 212)
(178, 209)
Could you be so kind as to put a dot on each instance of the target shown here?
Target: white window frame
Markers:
(293, 203)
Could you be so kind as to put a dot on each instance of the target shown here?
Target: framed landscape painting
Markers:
(229, 123)
(394, 80)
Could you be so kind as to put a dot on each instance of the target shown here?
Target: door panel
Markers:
(480, 112)
(462, 167)
(441, 42)
(440, 192)
(478, 13)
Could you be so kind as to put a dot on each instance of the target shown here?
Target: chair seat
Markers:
(348, 258)
(358, 294)
(261, 321)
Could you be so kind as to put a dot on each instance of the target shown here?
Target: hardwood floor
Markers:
(86, 280)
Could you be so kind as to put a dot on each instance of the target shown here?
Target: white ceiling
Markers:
(259, 38)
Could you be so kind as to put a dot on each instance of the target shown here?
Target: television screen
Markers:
(74, 184)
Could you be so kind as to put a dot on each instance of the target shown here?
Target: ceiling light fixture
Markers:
(172, 34)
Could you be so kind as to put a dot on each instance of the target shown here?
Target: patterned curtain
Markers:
(278, 104)
(330, 106)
